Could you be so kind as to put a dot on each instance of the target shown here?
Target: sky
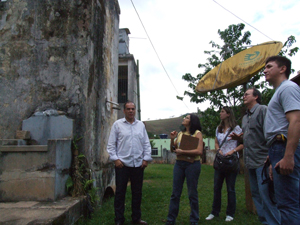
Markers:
(180, 32)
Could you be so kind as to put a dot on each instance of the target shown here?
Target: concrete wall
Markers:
(123, 41)
(62, 55)
(35, 175)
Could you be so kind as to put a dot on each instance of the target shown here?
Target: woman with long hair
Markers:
(186, 169)
(227, 126)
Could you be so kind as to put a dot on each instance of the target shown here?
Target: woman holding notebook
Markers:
(187, 166)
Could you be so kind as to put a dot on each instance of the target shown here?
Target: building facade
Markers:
(128, 75)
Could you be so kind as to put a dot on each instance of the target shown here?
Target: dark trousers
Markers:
(135, 174)
(190, 171)
(230, 179)
(286, 187)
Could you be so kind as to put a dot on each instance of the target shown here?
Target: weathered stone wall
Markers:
(61, 54)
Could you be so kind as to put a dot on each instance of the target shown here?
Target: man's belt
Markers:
(280, 137)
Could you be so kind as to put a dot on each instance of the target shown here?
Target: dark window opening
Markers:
(122, 84)
(154, 151)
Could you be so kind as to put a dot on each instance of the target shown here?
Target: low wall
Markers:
(210, 156)
(170, 158)
(35, 172)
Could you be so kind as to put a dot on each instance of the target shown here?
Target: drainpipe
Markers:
(138, 91)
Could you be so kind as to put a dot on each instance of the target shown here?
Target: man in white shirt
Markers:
(129, 148)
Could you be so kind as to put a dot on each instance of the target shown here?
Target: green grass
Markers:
(157, 190)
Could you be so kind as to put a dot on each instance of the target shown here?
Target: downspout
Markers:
(138, 90)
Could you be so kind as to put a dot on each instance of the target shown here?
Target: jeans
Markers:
(230, 178)
(190, 171)
(135, 174)
(267, 211)
(286, 186)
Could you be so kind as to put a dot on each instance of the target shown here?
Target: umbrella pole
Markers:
(249, 201)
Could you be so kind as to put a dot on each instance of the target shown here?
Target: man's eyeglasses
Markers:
(246, 94)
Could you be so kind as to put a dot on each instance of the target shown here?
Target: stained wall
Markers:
(63, 55)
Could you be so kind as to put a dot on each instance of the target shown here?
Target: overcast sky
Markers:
(181, 31)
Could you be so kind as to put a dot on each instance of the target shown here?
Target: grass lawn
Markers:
(157, 190)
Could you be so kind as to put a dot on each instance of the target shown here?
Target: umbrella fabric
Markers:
(239, 68)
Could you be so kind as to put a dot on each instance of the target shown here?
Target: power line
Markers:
(138, 38)
(242, 20)
(156, 51)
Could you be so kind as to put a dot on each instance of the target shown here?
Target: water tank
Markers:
(163, 136)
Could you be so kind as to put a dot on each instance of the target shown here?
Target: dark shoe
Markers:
(194, 223)
(140, 222)
(119, 223)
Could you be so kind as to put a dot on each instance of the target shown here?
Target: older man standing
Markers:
(130, 149)
(255, 154)
(282, 132)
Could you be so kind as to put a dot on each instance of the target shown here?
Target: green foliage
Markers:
(152, 144)
(209, 119)
(234, 42)
(75, 141)
(93, 192)
(87, 184)
(153, 136)
(79, 183)
(69, 185)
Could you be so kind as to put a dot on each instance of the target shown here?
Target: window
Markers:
(154, 151)
(122, 84)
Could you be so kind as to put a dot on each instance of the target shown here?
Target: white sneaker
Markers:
(228, 218)
(210, 217)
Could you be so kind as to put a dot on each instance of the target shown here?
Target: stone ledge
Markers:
(65, 211)
(24, 148)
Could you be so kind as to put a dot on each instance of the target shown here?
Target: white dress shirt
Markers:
(129, 143)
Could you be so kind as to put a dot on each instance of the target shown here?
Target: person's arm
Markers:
(217, 144)
(287, 163)
(237, 149)
(240, 147)
(111, 147)
(193, 152)
(173, 143)
(147, 150)
(237, 137)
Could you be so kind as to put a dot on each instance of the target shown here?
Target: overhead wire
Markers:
(156, 51)
(242, 20)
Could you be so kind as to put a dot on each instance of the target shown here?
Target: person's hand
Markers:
(144, 164)
(178, 151)
(220, 151)
(237, 137)
(173, 134)
(118, 163)
(267, 160)
(270, 172)
(230, 152)
(286, 165)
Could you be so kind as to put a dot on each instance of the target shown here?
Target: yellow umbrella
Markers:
(239, 68)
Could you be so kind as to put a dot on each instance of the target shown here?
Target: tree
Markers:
(235, 40)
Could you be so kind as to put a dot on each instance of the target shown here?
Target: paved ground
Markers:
(65, 211)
